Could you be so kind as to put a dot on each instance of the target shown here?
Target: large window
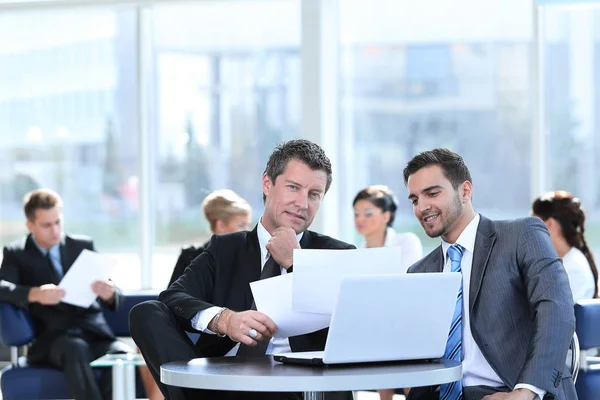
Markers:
(433, 74)
(222, 82)
(227, 92)
(68, 122)
(571, 70)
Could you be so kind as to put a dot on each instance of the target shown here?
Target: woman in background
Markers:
(226, 212)
(374, 213)
(565, 218)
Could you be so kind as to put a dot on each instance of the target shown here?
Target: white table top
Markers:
(110, 360)
(262, 374)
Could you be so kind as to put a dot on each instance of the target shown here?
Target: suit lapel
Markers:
(252, 265)
(484, 242)
(305, 240)
(47, 272)
(437, 262)
(67, 256)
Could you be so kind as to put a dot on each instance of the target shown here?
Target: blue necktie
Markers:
(453, 390)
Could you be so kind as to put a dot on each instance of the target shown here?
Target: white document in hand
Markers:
(88, 268)
(273, 297)
(319, 273)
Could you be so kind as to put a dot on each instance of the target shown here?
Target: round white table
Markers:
(262, 374)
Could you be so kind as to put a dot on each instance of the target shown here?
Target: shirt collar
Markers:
(264, 236)
(466, 238)
(54, 250)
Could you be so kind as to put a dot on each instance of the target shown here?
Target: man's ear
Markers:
(29, 225)
(266, 184)
(467, 191)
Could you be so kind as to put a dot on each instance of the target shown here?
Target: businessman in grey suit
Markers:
(513, 328)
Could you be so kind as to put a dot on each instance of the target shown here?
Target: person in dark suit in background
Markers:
(67, 337)
(226, 212)
(213, 295)
(514, 317)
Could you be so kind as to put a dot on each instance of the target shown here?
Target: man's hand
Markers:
(282, 245)
(236, 325)
(48, 295)
(105, 290)
(517, 394)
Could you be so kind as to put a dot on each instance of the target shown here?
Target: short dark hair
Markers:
(40, 199)
(453, 165)
(381, 197)
(302, 150)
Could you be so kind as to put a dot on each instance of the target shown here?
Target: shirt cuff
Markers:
(540, 393)
(201, 320)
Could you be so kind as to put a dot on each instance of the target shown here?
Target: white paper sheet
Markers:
(88, 268)
(318, 273)
(273, 297)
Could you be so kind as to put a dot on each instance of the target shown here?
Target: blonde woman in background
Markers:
(226, 212)
(374, 213)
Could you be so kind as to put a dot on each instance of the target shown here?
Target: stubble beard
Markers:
(453, 213)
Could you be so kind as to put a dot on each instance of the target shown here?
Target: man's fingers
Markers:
(247, 340)
(266, 321)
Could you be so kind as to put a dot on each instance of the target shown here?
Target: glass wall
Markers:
(572, 105)
(227, 90)
(68, 122)
(419, 79)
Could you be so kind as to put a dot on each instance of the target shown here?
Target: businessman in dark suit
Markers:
(213, 296)
(67, 337)
(516, 321)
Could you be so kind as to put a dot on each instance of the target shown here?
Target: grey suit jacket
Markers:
(520, 304)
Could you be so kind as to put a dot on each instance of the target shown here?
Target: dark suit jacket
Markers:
(520, 304)
(221, 275)
(185, 258)
(24, 267)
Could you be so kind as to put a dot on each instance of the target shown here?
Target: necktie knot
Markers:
(455, 253)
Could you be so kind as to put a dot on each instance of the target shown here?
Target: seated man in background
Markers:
(226, 212)
(67, 337)
(513, 318)
(213, 295)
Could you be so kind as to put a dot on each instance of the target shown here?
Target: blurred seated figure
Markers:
(565, 218)
(374, 213)
(226, 212)
(68, 337)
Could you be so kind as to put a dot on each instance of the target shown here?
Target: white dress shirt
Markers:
(580, 274)
(412, 250)
(476, 370)
(201, 320)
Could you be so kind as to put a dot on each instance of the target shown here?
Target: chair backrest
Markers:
(587, 319)
(16, 326)
(119, 320)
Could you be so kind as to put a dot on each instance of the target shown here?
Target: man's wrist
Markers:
(32, 297)
(219, 323)
(527, 394)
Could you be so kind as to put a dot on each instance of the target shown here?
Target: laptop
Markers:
(380, 318)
